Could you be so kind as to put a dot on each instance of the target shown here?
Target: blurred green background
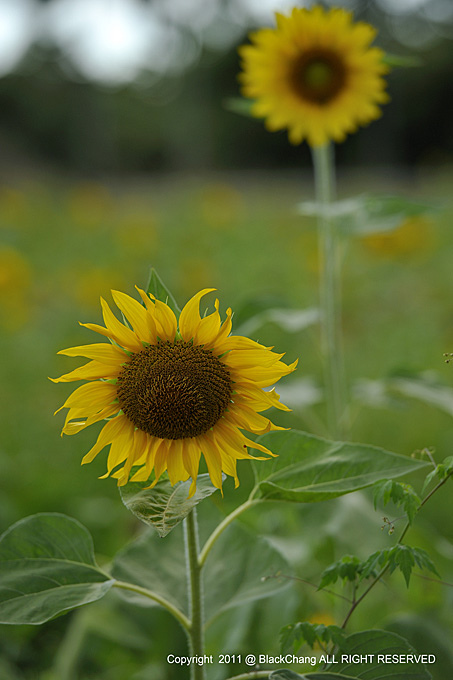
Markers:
(118, 153)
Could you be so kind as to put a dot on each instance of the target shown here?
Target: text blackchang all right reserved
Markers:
(349, 658)
(379, 658)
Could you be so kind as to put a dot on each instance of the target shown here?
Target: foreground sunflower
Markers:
(171, 392)
(315, 74)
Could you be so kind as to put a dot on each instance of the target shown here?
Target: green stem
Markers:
(222, 526)
(331, 338)
(179, 616)
(195, 585)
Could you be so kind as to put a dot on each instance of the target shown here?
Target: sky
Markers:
(111, 41)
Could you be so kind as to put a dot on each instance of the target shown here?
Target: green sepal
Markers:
(160, 291)
(239, 105)
(401, 61)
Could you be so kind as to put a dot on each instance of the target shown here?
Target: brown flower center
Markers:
(318, 75)
(174, 390)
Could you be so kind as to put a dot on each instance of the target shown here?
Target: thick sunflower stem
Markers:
(195, 585)
(330, 296)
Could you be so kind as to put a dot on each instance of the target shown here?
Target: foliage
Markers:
(400, 493)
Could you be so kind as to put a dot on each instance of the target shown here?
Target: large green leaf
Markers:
(156, 564)
(160, 291)
(399, 661)
(47, 567)
(310, 469)
(164, 506)
(241, 567)
(234, 572)
(369, 655)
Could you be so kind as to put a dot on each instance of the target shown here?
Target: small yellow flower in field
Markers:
(86, 283)
(13, 207)
(314, 74)
(90, 205)
(220, 206)
(414, 236)
(15, 283)
(171, 391)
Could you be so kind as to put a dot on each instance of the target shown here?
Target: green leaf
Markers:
(47, 567)
(157, 288)
(373, 563)
(374, 644)
(309, 469)
(405, 557)
(426, 388)
(400, 61)
(239, 105)
(441, 471)
(156, 564)
(164, 506)
(401, 494)
(290, 320)
(240, 568)
(368, 214)
(294, 635)
(348, 569)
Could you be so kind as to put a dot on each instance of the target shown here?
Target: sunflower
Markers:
(315, 74)
(171, 391)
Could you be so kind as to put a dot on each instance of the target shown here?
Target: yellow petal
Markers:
(69, 427)
(93, 370)
(167, 320)
(108, 433)
(229, 467)
(175, 466)
(189, 319)
(101, 351)
(263, 376)
(120, 449)
(240, 342)
(237, 441)
(257, 398)
(120, 333)
(224, 332)
(91, 396)
(134, 312)
(149, 456)
(191, 461)
(213, 460)
(248, 358)
(247, 419)
(208, 330)
(160, 460)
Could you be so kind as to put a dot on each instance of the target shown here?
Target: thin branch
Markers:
(309, 583)
(179, 616)
(222, 526)
(386, 567)
(434, 580)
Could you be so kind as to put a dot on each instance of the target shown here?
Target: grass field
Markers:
(65, 243)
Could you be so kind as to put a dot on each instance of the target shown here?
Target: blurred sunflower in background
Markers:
(314, 74)
(172, 391)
